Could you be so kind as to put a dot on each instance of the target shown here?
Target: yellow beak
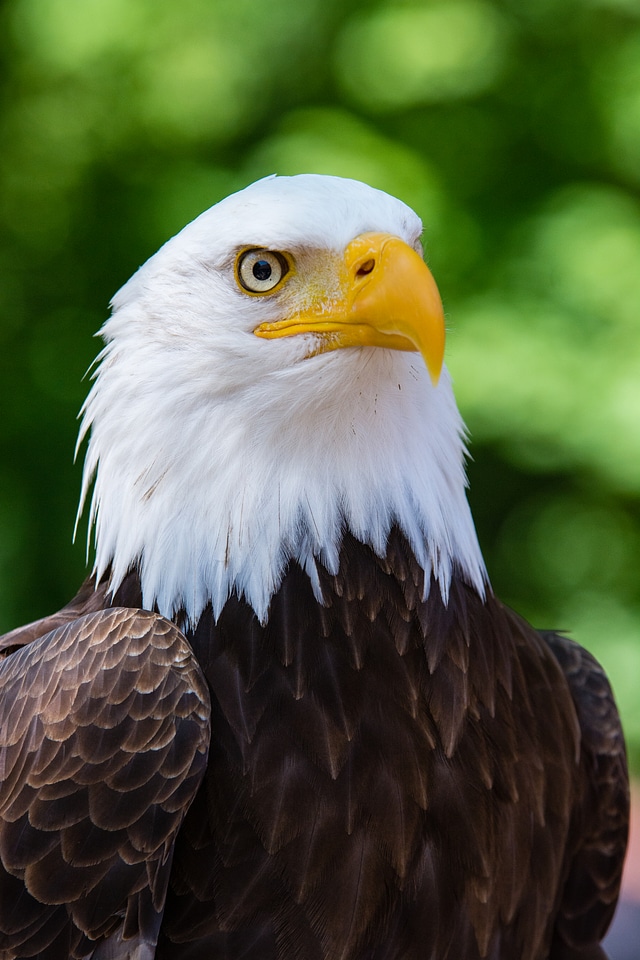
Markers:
(389, 299)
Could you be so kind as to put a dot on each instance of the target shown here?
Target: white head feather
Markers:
(217, 456)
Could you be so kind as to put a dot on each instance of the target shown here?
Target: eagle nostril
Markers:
(365, 268)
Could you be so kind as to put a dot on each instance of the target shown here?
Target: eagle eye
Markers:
(260, 271)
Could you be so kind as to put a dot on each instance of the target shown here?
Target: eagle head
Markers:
(272, 378)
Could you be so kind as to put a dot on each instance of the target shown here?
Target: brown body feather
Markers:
(388, 778)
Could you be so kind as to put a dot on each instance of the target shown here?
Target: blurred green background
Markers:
(511, 126)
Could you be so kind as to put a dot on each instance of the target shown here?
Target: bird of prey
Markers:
(286, 718)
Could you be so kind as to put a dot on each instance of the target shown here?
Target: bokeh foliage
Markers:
(512, 126)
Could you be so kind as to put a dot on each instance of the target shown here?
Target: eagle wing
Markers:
(602, 822)
(104, 733)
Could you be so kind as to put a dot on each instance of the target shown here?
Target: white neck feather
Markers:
(207, 494)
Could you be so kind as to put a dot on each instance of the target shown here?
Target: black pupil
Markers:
(262, 270)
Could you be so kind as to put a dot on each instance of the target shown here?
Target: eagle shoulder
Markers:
(104, 732)
(601, 821)
(89, 598)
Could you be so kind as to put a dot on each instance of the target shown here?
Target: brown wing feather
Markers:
(104, 728)
(602, 818)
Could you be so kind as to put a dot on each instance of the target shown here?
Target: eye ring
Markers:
(260, 271)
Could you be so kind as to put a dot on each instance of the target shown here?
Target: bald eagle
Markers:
(286, 718)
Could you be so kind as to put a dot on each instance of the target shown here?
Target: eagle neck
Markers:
(216, 494)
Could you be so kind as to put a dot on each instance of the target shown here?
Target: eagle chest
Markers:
(361, 776)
